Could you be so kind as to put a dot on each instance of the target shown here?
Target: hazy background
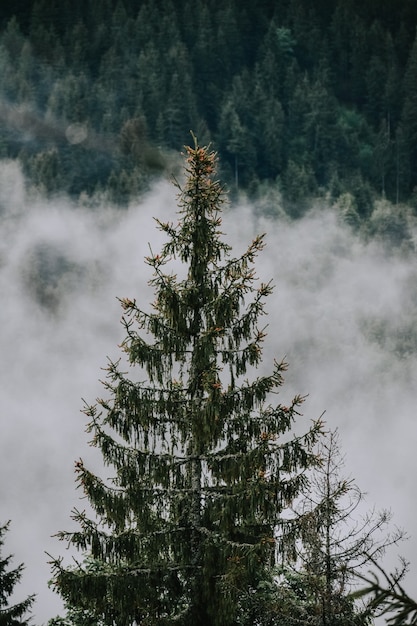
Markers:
(342, 314)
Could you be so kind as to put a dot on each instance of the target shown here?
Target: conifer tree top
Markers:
(203, 463)
(11, 615)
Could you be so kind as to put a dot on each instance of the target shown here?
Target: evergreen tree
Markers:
(204, 464)
(336, 544)
(11, 615)
(409, 114)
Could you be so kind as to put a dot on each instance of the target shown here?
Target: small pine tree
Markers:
(11, 615)
(204, 464)
(336, 545)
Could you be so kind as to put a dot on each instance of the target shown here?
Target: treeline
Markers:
(312, 98)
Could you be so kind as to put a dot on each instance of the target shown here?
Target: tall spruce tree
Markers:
(15, 614)
(204, 464)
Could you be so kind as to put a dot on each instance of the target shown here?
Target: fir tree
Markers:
(337, 543)
(204, 464)
(11, 615)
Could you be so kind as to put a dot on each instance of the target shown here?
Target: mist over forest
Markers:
(311, 111)
(342, 313)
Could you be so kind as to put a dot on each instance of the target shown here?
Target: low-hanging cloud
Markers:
(342, 314)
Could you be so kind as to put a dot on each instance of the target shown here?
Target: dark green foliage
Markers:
(334, 546)
(203, 464)
(275, 80)
(14, 615)
(297, 601)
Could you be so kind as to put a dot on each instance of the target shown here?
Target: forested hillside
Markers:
(312, 98)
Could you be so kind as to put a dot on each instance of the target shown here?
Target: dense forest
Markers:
(294, 102)
(307, 99)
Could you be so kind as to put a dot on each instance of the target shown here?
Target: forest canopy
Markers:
(308, 98)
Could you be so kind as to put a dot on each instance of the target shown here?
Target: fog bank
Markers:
(342, 314)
